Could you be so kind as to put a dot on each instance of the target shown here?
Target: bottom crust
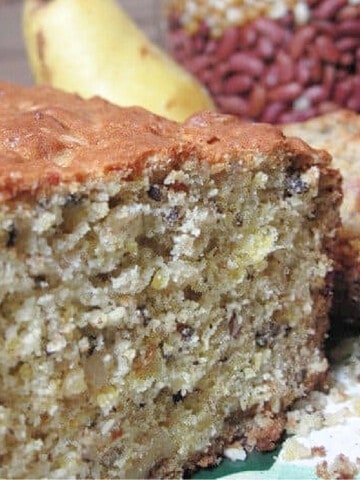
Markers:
(265, 435)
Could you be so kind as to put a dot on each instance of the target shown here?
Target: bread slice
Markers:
(339, 134)
(164, 288)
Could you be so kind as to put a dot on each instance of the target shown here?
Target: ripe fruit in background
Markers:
(92, 47)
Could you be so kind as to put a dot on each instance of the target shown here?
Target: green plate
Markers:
(257, 470)
(255, 462)
(261, 466)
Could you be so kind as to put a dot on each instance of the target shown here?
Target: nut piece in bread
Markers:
(164, 287)
(339, 133)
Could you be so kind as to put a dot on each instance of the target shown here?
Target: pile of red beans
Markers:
(275, 70)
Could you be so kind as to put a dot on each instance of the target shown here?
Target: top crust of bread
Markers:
(48, 137)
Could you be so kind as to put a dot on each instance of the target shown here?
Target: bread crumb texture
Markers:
(145, 320)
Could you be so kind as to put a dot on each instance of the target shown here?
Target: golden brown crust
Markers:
(48, 137)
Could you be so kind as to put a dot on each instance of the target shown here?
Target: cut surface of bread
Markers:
(164, 287)
(339, 133)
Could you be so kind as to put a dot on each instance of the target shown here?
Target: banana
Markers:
(92, 47)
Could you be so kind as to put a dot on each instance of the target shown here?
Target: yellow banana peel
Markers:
(92, 47)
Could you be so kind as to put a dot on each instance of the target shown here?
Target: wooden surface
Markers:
(13, 63)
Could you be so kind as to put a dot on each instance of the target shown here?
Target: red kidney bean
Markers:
(205, 76)
(221, 69)
(286, 67)
(341, 74)
(356, 82)
(296, 115)
(238, 83)
(285, 93)
(315, 67)
(346, 59)
(233, 104)
(212, 78)
(316, 73)
(315, 94)
(323, 27)
(306, 114)
(246, 62)
(328, 9)
(354, 102)
(313, 3)
(271, 76)
(272, 112)
(247, 36)
(264, 48)
(348, 12)
(349, 27)
(211, 46)
(303, 70)
(270, 28)
(329, 77)
(199, 63)
(257, 101)
(227, 44)
(302, 37)
(215, 85)
(345, 44)
(326, 49)
(343, 90)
